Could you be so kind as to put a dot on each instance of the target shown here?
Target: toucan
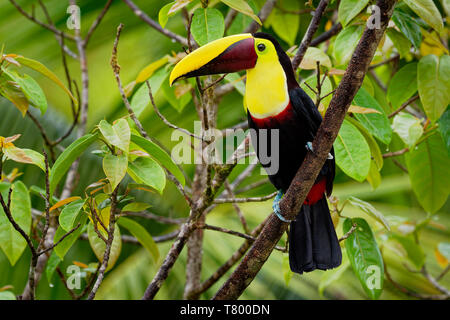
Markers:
(275, 101)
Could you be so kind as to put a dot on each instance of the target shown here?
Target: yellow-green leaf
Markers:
(115, 168)
(39, 67)
(148, 71)
(434, 85)
(99, 246)
(427, 10)
(141, 235)
(311, 57)
(242, 7)
(117, 134)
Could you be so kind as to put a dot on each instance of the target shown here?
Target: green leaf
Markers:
(207, 25)
(333, 275)
(284, 24)
(51, 266)
(115, 168)
(348, 9)
(408, 26)
(426, 9)
(30, 88)
(8, 89)
(434, 85)
(39, 67)
(99, 246)
(444, 129)
(242, 7)
(429, 171)
(311, 57)
(69, 215)
(141, 235)
(178, 103)
(352, 152)
(117, 134)
(376, 123)
(163, 15)
(241, 21)
(149, 70)
(414, 251)
(36, 158)
(346, 42)
(402, 43)
(148, 171)
(136, 207)
(408, 128)
(141, 99)
(64, 246)
(403, 85)
(370, 210)
(69, 155)
(365, 256)
(373, 145)
(160, 155)
(11, 241)
(7, 295)
(374, 176)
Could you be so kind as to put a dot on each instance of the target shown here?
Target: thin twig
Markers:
(395, 153)
(244, 200)
(313, 26)
(348, 233)
(40, 23)
(155, 217)
(96, 23)
(334, 30)
(144, 17)
(393, 58)
(234, 233)
(404, 105)
(167, 122)
(105, 260)
(263, 14)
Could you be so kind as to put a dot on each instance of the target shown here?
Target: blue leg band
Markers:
(276, 207)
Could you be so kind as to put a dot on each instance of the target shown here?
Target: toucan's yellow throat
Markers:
(269, 72)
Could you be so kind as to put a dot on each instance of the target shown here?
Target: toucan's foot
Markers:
(276, 207)
(309, 147)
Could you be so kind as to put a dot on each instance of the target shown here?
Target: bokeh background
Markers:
(139, 46)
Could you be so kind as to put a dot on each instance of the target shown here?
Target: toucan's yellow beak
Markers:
(225, 55)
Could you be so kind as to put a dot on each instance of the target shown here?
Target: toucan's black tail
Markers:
(313, 243)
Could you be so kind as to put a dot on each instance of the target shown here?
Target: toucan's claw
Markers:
(309, 147)
(276, 207)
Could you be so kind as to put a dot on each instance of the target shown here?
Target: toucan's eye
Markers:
(261, 47)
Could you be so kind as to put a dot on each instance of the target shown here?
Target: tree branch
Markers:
(307, 38)
(144, 17)
(292, 201)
